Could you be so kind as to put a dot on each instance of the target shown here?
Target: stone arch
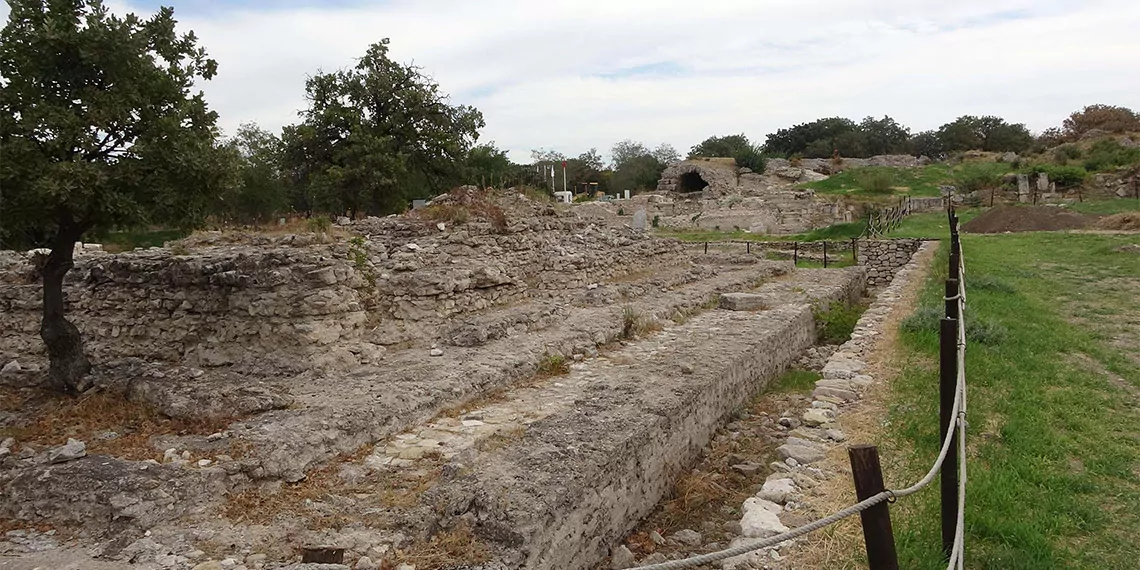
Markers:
(691, 182)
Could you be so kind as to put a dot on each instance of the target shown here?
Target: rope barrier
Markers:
(958, 412)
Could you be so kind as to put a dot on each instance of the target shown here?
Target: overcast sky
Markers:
(573, 75)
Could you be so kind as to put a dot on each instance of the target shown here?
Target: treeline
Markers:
(833, 136)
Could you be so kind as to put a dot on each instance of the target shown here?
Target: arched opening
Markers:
(691, 182)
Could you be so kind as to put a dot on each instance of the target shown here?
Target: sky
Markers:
(570, 76)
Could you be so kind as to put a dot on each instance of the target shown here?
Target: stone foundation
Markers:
(884, 258)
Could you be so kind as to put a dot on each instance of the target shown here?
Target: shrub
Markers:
(1067, 152)
(621, 211)
(553, 365)
(634, 324)
(880, 180)
(318, 224)
(656, 220)
(450, 213)
(974, 177)
(1108, 154)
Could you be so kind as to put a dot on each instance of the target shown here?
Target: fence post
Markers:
(947, 386)
(878, 536)
(825, 254)
(854, 252)
(706, 247)
(795, 253)
(748, 246)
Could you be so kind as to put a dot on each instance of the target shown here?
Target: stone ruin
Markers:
(529, 388)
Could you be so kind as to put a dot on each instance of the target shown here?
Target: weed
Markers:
(634, 324)
(457, 546)
(795, 380)
(553, 365)
(621, 211)
(987, 282)
(359, 258)
(178, 248)
(656, 220)
(500, 439)
(836, 321)
(1108, 154)
(448, 213)
(971, 178)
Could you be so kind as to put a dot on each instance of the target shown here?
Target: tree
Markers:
(883, 136)
(820, 135)
(625, 151)
(98, 129)
(638, 173)
(986, 133)
(926, 144)
(738, 147)
(377, 135)
(1101, 117)
(485, 164)
(666, 154)
(261, 191)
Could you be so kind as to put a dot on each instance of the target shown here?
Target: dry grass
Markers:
(447, 549)
(57, 417)
(553, 365)
(636, 325)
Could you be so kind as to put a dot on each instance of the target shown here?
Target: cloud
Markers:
(571, 76)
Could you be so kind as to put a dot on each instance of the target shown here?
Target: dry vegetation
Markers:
(108, 423)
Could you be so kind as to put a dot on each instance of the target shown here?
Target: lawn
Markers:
(1054, 427)
(836, 232)
(1107, 207)
(919, 181)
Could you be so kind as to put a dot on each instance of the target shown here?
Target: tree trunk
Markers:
(68, 364)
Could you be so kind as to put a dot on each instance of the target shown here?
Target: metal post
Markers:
(877, 533)
(947, 386)
(825, 254)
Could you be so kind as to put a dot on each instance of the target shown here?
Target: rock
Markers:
(72, 450)
(748, 469)
(687, 537)
(655, 558)
(777, 490)
(656, 538)
(621, 558)
(742, 302)
(406, 567)
(436, 352)
(8, 443)
(366, 563)
(835, 435)
(840, 393)
(816, 417)
(686, 369)
(801, 453)
(12, 367)
(441, 226)
(204, 462)
(824, 405)
(759, 521)
(209, 565)
(411, 246)
(343, 221)
(256, 560)
(789, 422)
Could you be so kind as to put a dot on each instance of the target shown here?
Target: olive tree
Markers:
(98, 129)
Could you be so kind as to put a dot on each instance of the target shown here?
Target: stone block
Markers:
(742, 302)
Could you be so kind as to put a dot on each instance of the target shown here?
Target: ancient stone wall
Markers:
(884, 258)
(222, 304)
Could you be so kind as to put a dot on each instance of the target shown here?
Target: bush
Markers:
(1064, 176)
(450, 213)
(880, 180)
(974, 177)
(553, 365)
(656, 220)
(1108, 154)
(318, 224)
(1067, 152)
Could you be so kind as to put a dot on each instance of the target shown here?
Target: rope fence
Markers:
(877, 535)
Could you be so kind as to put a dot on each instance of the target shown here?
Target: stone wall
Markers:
(884, 258)
(279, 300)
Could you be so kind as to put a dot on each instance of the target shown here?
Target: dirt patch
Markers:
(1128, 221)
(1027, 219)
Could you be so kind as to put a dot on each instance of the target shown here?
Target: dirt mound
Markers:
(1027, 219)
(1128, 221)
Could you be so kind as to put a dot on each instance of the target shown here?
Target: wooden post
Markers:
(322, 555)
(825, 254)
(854, 252)
(748, 246)
(947, 386)
(795, 253)
(952, 305)
(877, 533)
(706, 247)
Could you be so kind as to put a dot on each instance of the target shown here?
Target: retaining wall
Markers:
(884, 258)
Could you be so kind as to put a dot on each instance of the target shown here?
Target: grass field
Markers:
(836, 232)
(1054, 426)
(920, 181)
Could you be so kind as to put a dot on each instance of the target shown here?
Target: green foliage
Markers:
(986, 133)
(738, 147)
(487, 165)
(795, 380)
(98, 125)
(879, 180)
(656, 220)
(359, 258)
(1067, 152)
(978, 176)
(1108, 154)
(376, 135)
(1064, 176)
(448, 213)
(823, 137)
(261, 191)
(553, 365)
(836, 322)
(319, 224)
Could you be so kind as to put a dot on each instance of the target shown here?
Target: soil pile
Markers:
(1027, 219)
(1127, 221)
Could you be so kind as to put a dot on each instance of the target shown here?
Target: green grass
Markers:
(1107, 207)
(795, 380)
(931, 224)
(1054, 463)
(835, 232)
(133, 239)
(919, 181)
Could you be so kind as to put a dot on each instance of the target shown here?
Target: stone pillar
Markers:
(1042, 182)
(1023, 188)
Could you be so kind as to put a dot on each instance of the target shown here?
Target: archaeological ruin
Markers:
(402, 390)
